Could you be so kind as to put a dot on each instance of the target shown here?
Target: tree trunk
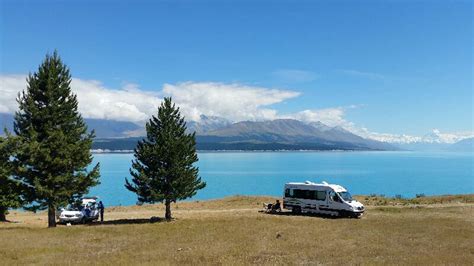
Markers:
(3, 214)
(51, 216)
(168, 210)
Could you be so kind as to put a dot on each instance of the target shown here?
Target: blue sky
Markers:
(396, 67)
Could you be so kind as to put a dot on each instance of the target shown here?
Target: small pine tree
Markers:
(163, 168)
(54, 146)
(9, 188)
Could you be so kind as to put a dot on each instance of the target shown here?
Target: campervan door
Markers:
(334, 201)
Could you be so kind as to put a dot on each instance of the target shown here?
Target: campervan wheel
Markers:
(296, 210)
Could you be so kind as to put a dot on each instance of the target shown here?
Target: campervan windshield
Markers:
(346, 196)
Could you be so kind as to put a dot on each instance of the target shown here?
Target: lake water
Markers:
(265, 173)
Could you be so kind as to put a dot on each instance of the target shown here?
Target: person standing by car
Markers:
(101, 210)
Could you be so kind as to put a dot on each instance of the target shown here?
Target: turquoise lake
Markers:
(265, 173)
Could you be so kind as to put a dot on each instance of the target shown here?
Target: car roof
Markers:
(88, 200)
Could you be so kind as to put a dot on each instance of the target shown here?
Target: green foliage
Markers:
(54, 146)
(9, 189)
(163, 168)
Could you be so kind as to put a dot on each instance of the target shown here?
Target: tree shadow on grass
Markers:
(15, 228)
(316, 215)
(130, 221)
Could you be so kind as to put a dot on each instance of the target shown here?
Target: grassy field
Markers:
(429, 230)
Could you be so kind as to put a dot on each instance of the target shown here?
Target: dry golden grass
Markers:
(232, 231)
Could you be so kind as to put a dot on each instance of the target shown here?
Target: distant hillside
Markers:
(423, 146)
(103, 128)
(6, 121)
(463, 145)
(204, 143)
(283, 134)
(215, 133)
(291, 133)
(113, 129)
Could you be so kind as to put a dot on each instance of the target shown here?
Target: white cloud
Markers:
(295, 75)
(128, 103)
(10, 86)
(235, 102)
(333, 117)
(329, 116)
(95, 101)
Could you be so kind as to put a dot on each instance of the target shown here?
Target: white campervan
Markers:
(322, 198)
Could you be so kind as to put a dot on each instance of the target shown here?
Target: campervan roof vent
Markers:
(308, 182)
(326, 183)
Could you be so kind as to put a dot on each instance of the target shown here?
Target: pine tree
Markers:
(163, 168)
(9, 188)
(54, 146)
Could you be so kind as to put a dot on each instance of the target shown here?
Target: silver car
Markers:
(87, 211)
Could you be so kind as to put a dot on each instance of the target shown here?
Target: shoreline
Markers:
(271, 151)
(105, 151)
(369, 200)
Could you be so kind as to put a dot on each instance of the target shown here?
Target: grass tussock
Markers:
(232, 231)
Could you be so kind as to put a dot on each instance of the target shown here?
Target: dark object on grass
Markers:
(101, 210)
(155, 219)
(272, 208)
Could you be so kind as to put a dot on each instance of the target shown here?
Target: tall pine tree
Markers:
(54, 146)
(9, 189)
(163, 168)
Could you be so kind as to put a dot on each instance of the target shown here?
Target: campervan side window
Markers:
(306, 194)
(301, 194)
(320, 195)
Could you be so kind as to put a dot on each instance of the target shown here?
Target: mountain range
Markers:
(289, 134)
(216, 133)
(465, 145)
(103, 128)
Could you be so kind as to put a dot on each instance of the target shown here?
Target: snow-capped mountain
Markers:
(433, 141)
(207, 123)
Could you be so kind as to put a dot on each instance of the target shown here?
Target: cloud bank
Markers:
(235, 102)
(232, 101)
(95, 101)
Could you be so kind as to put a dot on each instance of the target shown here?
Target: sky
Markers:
(382, 69)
